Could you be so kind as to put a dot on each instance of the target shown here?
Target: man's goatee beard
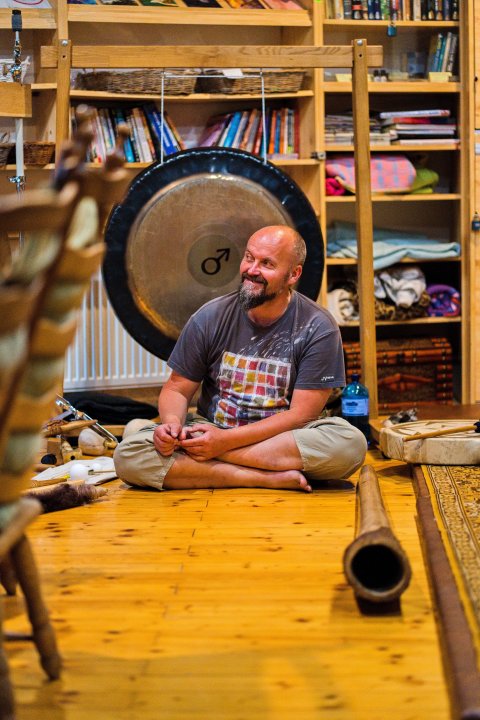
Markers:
(249, 300)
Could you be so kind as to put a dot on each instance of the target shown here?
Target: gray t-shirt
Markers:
(248, 371)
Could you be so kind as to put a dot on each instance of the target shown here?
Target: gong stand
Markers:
(357, 56)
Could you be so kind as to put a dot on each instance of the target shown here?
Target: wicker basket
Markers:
(4, 152)
(275, 81)
(38, 153)
(138, 81)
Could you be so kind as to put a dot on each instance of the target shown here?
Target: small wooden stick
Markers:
(445, 431)
(375, 563)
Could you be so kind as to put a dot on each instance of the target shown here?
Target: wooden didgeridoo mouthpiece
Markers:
(375, 563)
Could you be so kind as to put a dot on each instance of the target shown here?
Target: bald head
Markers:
(291, 240)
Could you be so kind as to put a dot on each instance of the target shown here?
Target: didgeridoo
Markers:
(375, 563)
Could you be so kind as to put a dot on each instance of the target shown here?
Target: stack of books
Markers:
(146, 134)
(236, 4)
(420, 127)
(392, 9)
(244, 130)
(339, 130)
(442, 56)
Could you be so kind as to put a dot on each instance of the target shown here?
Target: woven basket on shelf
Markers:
(4, 152)
(138, 81)
(38, 153)
(275, 81)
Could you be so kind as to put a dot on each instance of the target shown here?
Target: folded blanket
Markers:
(389, 173)
(389, 246)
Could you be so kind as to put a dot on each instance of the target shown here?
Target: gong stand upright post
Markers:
(358, 57)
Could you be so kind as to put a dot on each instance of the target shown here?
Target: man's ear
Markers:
(295, 274)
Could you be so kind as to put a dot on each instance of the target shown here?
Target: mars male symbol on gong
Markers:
(213, 260)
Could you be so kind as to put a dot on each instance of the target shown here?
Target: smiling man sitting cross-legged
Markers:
(267, 358)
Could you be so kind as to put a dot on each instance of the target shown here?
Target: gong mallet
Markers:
(445, 431)
(375, 563)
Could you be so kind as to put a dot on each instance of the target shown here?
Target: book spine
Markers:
(165, 138)
(356, 9)
(248, 129)
(178, 141)
(452, 55)
(133, 135)
(438, 53)
(416, 10)
(338, 7)
(145, 149)
(438, 9)
(385, 9)
(241, 129)
(454, 5)
(446, 51)
(146, 132)
(127, 144)
(347, 9)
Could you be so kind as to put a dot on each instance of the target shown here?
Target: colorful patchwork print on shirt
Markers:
(251, 388)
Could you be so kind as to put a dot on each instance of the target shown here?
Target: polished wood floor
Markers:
(226, 605)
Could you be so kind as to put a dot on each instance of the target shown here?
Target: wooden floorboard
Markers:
(226, 605)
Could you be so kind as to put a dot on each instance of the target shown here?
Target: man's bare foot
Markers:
(287, 480)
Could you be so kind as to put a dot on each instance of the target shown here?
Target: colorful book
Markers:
(248, 4)
(202, 3)
(283, 4)
(159, 3)
(232, 129)
(433, 112)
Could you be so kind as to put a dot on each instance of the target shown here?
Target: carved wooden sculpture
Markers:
(39, 296)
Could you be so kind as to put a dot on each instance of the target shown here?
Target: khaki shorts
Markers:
(331, 449)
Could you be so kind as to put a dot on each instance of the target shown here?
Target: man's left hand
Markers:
(204, 442)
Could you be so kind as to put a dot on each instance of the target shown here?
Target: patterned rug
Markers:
(455, 495)
(448, 508)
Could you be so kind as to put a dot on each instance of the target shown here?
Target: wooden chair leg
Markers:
(7, 576)
(43, 633)
(7, 705)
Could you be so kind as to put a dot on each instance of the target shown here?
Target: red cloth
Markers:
(333, 187)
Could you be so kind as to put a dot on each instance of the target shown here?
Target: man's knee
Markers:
(351, 452)
(331, 448)
(137, 462)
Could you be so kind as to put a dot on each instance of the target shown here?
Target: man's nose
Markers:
(254, 268)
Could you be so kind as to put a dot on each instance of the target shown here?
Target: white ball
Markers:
(78, 472)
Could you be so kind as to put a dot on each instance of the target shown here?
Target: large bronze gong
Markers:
(177, 239)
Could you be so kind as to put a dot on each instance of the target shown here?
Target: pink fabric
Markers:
(333, 187)
(389, 173)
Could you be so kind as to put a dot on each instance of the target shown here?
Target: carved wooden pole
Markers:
(375, 563)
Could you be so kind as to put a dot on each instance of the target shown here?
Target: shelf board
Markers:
(32, 19)
(331, 261)
(194, 97)
(415, 321)
(42, 87)
(422, 86)
(434, 197)
(395, 148)
(136, 167)
(400, 24)
(187, 16)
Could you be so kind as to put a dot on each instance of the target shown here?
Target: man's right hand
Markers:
(167, 436)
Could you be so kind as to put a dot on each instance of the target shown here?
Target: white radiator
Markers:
(103, 354)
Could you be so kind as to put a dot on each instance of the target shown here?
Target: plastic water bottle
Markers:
(355, 405)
